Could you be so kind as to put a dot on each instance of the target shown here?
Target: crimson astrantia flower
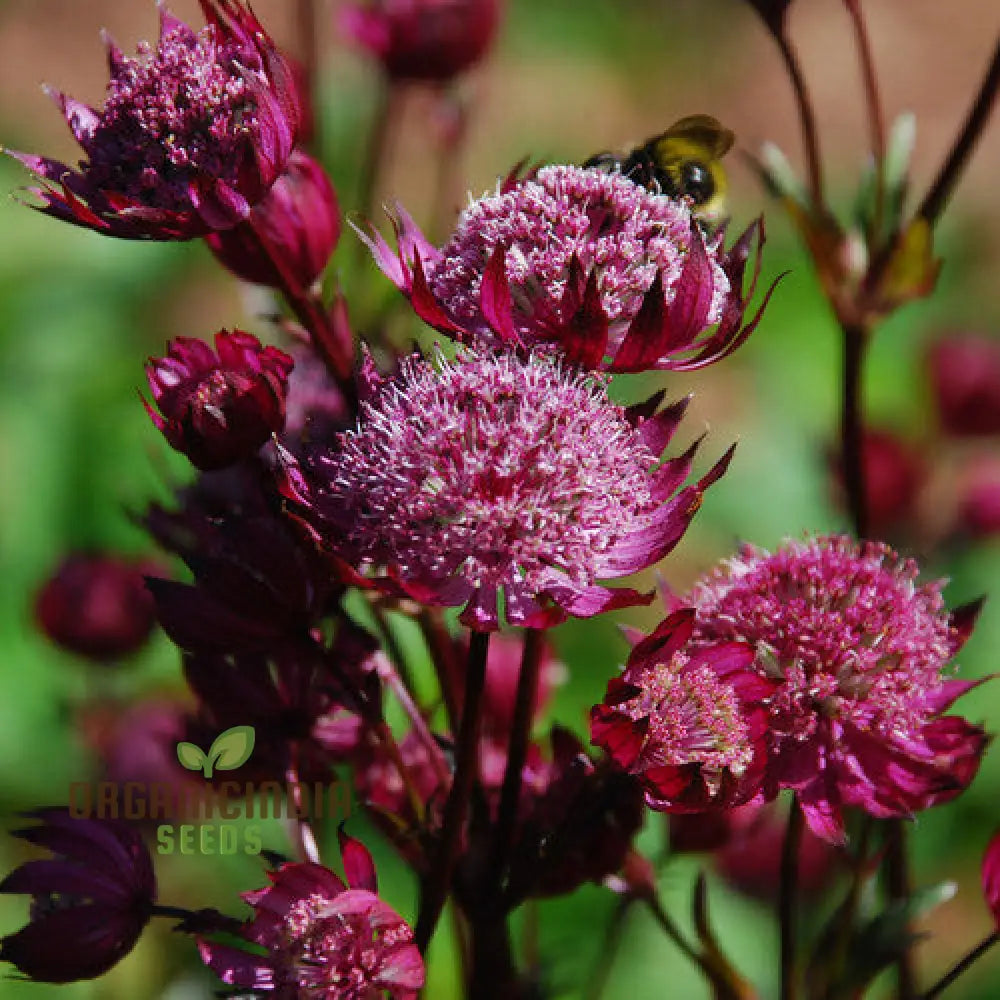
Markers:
(858, 651)
(191, 135)
(690, 724)
(965, 374)
(97, 606)
(218, 408)
(495, 474)
(429, 40)
(612, 275)
(90, 903)
(298, 220)
(322, 938)
(979, 499)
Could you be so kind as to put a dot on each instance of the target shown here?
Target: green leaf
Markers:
(232, 748)
(190, 756)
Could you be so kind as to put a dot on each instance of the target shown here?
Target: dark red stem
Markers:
(807, 117)
(435, 888)
(788, 899)
(944, 184)
(517, 753)
(949, 977)
(852, 428)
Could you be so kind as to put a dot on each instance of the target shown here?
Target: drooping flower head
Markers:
(323, 939)
(428, 40)
(90, 903)
(96, 605)
(858, 650)
(497, 474)
(219, 407)
(690, 724)
(611, 274)
(191, 135)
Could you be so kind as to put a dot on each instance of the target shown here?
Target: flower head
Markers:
(89, 904)
(219, 407)
(191, 135)
(965, 375)
(991, 877)
(97, 606)
(430, 40)
(857, 650)
(609, 273)
(496, 474)
(692, 725)
(300, 221)
(323, 938)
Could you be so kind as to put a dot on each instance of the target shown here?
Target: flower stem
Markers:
(851, 427)
(940, 191)
(517, 752)
(876, 118)
(970, 959)
(897, 870)
(606, 956)
(671, 929)
(788, 898)
(308, 48)
(376, 155)
(442, 650)
(436, 885)
(807, 117)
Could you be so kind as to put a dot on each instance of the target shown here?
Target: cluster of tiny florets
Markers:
(694, 717)
(843, 625)
(170, 114)
(335, 952)
(494, 469)
(612, 225)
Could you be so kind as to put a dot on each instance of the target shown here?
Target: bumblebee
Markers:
(683, 162)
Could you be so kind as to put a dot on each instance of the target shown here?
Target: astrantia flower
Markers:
(495, 474)
(322, 939)
(97, 606)
(219, 409)
(191, 134)
(611, 274)
(90, 903)
(690, 725)
(991, 877)
(431, 40)
(858, 651)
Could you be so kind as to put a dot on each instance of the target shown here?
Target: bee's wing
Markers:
(703, 131)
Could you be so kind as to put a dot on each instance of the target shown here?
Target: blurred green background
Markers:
(79, 314)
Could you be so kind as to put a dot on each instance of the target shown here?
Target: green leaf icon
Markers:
(191, 756)
(230, 749)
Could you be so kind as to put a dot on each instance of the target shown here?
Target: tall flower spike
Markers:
(191, 135)
(500, 474)
(858, 651)
(322, 938)
(690, 725)
(90, 903)
(610, 274)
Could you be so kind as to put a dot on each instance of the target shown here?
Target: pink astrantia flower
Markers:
(218, 407)
(191, 134)
(858, 651)
(609, 273)
(496, 473)
(429, 40)
(691, 726)
(322, 938)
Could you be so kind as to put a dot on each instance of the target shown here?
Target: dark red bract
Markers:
(97, 606)
(218, 409)
(90, 903)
